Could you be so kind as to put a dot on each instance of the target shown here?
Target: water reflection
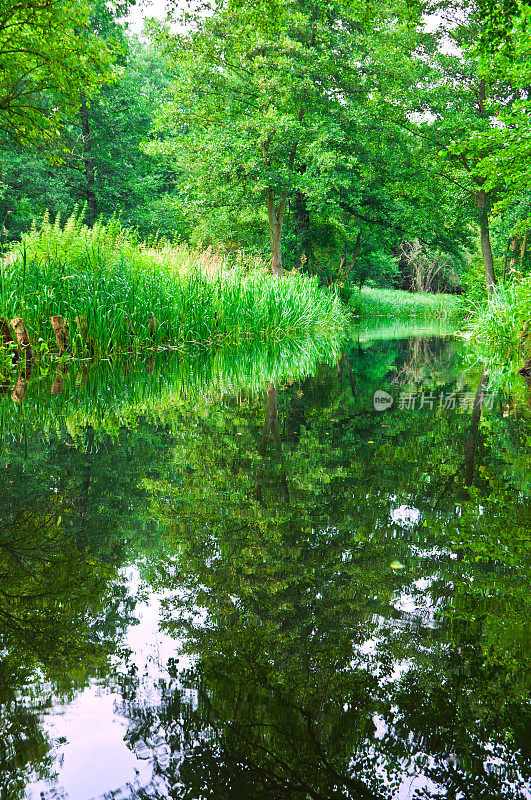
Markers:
(363, 625)
(61, 615)
(332, 599)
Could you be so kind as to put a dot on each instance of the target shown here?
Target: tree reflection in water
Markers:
(364, 623)
(60, 613)
(346, 588)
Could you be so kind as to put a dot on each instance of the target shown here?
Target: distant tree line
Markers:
(354, 141)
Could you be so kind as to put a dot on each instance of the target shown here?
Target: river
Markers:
(283, 575)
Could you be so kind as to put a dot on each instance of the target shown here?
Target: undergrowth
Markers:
(115, 283)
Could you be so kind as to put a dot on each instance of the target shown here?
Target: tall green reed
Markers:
(500, 330)
(107, 277)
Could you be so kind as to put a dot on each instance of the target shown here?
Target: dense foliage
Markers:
(49, 54)
(383, 146)
(344, 586)
(340, 139)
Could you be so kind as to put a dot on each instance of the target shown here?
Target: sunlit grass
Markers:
(394, 303)
(104, 276)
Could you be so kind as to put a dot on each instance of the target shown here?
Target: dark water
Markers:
(241, 580)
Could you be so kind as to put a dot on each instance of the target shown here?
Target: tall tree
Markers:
(264, 89)
(506, 55)
(114, 176)
(449, 103)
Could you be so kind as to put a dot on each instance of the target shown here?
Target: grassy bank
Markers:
(394, 303)
(500, 331)
(130, 296)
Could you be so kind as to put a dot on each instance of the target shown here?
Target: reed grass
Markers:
(372, 302)
(500, 330)
(104, 275)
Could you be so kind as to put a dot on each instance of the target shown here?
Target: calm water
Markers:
(239, 579)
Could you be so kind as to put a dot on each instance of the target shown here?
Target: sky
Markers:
(144, 9)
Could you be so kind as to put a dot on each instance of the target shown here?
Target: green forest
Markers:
(376, 155)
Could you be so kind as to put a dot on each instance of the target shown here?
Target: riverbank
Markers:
(114, 295)
(500, 331)
(394, 303)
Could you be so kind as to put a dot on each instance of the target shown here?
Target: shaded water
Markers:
(238, 579)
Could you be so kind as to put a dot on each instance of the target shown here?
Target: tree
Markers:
(112, 176)
(506, 55)
(47, 57)
(455, 97)
(104, 163)
(264, 91)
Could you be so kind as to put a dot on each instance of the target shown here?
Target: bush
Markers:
(501, 327)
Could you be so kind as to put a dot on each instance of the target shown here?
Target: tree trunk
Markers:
(510, 257)
(302, 226)
(522, 250)
(482, 203)
(275, 217)
(355, 253)
(342, 262)
(88, 160)
(275, 232)
(486, 248)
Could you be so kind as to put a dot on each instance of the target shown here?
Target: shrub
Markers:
(501, 328)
